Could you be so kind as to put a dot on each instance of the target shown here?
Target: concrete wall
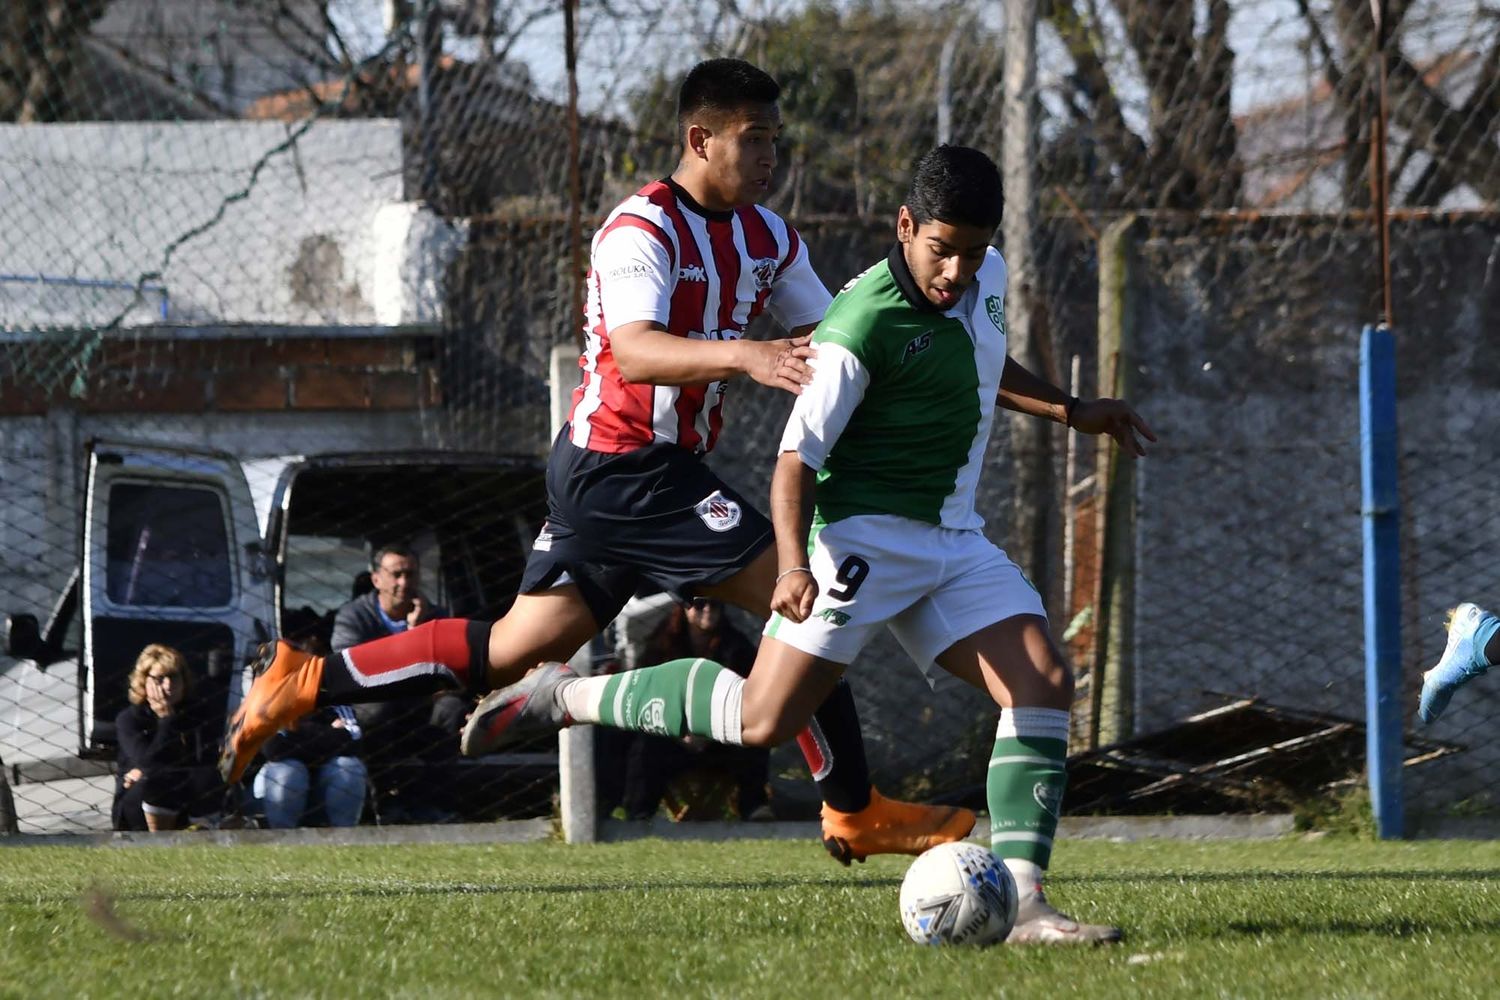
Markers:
(231, 229)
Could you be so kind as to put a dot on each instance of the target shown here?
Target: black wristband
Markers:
(1068, 409)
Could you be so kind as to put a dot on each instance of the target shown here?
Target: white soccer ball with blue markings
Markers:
(958, 894)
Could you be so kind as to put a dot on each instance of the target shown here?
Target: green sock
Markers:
(676, 698)
(1028, 771)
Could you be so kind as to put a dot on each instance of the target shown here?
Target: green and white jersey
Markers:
(898, 414)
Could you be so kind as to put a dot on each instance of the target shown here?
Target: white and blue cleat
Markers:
(1458, 665)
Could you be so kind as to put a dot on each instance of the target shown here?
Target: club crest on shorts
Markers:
(718, 512)
(543, 541)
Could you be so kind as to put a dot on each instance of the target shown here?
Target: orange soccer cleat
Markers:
(890, 826)
(285, 689)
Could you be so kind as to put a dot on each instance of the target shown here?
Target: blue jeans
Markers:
(284, 788)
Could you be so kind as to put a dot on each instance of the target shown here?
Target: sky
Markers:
(1272, 62)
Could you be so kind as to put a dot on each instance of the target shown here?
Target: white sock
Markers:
(1043, 723)
(581, 698)
(728, 722)
(1028, 876)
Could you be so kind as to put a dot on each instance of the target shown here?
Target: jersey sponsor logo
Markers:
(543, 541)
(995, 307)
(1048, 796)
(653, 717)
(916, 346)
(718, 512)
(834, 616)
(625, 272)
(693, 272)
(764, 270)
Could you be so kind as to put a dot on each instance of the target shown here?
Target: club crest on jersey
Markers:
(693, 272)
(916, 346)
(764, 271)
(718, 512)
(995, 306)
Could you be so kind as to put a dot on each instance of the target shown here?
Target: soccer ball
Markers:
(958, 894)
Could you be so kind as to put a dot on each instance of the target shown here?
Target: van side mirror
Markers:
(23, 637)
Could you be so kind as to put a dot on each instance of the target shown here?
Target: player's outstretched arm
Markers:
(1024, 392)
(647, 353)
(791, 516)
(1116, 418)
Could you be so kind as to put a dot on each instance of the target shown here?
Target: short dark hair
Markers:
(956, 185)
(401, 549)
(719, 86)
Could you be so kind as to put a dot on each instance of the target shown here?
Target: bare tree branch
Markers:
(1127, 149)
(1458, 138)
(1481, 111)
(39, 42)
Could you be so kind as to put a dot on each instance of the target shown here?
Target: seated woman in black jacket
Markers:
(166, 755)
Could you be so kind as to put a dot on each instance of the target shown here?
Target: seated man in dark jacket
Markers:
(425, 727)
(166, 750)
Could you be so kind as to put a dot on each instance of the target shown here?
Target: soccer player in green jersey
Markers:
(873, 507)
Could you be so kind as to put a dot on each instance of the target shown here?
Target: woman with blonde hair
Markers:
(165, 761)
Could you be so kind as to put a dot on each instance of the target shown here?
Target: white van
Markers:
(213, 555)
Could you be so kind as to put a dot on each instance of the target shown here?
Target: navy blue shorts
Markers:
(656, 518)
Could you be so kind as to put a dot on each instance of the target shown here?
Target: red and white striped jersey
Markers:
(663, 258)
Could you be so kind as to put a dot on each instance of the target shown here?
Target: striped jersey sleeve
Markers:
(798, 297)
(633, 261)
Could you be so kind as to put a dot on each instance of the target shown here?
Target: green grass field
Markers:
(1296, 918)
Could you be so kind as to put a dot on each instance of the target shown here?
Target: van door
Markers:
(172, 555)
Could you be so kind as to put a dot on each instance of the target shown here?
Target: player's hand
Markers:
(794, 596)
(1116, 418)
(781, 364)
(131, 777)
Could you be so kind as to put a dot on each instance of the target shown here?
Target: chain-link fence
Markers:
(279, 283)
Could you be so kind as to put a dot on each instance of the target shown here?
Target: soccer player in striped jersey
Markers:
(678, 272)
(876, 527)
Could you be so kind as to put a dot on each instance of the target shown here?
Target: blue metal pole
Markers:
(1381, 511)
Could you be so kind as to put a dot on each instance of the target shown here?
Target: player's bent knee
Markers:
(1049, 686)
(769, 732)
(1062, 681)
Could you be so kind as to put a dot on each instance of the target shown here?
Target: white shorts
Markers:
(932, 586)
